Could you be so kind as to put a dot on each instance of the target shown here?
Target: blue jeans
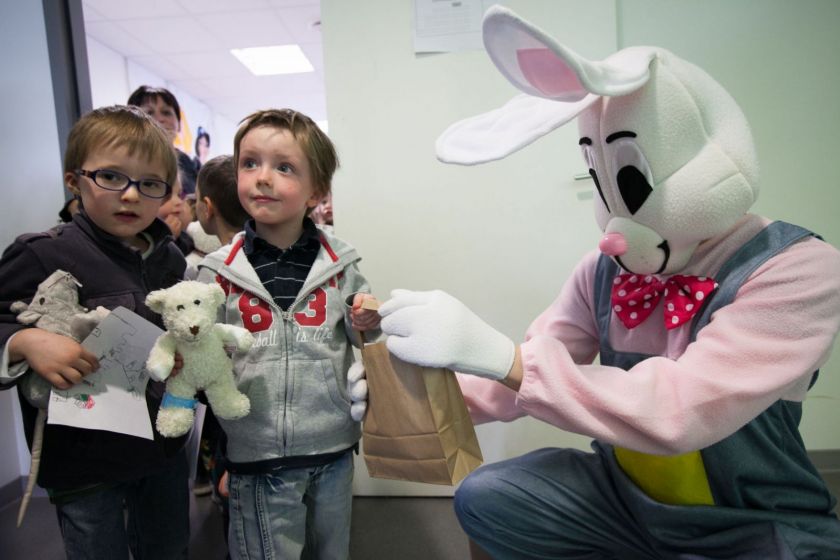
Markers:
(292, 513)
(157, 526)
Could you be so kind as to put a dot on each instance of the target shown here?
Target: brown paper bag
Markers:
(417, 427)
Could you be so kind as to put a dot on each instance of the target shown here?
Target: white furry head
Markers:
(670, 152)
(188, 308)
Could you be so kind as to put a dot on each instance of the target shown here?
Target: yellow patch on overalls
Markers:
(678, 480)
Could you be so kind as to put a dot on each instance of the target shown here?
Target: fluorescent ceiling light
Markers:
(279, 59)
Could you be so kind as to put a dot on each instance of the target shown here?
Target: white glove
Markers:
(358, 390)
(434, 329)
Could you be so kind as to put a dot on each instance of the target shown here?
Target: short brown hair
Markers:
(316, 146)
(217, 181)
(120, 126)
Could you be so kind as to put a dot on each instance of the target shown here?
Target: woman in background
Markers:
(161, 105)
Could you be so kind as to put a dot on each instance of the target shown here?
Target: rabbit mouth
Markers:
(666, 250)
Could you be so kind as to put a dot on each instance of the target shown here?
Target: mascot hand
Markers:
(434, 329)
(358, 389)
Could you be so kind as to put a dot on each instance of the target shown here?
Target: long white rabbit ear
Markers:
(501, 132)
(538, 65)
(559, 84)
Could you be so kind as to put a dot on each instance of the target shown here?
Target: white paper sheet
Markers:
(114, 397)
(448, 25)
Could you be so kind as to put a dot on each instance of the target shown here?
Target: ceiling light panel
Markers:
(278, 59)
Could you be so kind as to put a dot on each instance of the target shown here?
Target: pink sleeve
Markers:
(762, 347)
(488, 400)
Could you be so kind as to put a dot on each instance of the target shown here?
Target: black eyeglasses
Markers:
(116, 181)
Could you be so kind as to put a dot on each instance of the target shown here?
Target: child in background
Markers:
(175, 215)
(172, 209)
(322, 215)
(71, 207)
(121, 165)
(217, 205)
(299, 291)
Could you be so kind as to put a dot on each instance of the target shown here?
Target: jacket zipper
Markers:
(287, 317)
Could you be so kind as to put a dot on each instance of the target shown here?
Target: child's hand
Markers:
(179, 363)
(60, 360)
(224, 485)
(174, 224)
(365, 318)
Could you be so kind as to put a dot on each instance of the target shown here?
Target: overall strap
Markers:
(604, 274)
(766, 244)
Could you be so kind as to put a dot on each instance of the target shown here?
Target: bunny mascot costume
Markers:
(710, 322)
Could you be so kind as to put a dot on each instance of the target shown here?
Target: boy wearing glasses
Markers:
(121, 165)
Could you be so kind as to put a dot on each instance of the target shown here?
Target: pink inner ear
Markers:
(548, 73)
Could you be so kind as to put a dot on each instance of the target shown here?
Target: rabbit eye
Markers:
(42, 300)
(180, 308)
(197, 302)
(589, 158)
(633, 174)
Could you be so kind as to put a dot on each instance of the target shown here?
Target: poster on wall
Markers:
(202, 146)
(448, 25)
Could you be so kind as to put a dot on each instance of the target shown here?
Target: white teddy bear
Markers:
(189, 314)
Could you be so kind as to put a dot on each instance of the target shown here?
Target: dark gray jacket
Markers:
(111, 275)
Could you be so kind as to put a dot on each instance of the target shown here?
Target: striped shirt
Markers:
(282, 271)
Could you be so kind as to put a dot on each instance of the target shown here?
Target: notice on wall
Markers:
(113, 398)
(448, 25)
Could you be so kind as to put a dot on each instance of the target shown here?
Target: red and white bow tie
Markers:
(634, 297)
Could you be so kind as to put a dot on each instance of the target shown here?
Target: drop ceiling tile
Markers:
(115, 37)
(170, 35)
(247, 29)
(132, 9)
(199, 7)
(210, 64)
(291, 83)
(290, 3)
(90, 14)
(161, 65)
(315, 53)
(301, 21)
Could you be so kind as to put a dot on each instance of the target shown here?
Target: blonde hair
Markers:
(316, 146)
(120, 126)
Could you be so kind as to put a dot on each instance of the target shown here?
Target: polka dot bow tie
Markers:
(634, 297)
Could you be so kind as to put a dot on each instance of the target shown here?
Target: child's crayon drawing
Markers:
(114, 397)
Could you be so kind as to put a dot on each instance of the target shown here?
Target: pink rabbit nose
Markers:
(613, 245)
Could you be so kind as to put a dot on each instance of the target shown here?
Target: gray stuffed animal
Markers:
(54, 308)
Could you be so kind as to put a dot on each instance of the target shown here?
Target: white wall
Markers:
(32, 191)
(109, 74)
(501, 237)
(504, 236)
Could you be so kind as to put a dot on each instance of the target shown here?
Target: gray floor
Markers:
(383, 528)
